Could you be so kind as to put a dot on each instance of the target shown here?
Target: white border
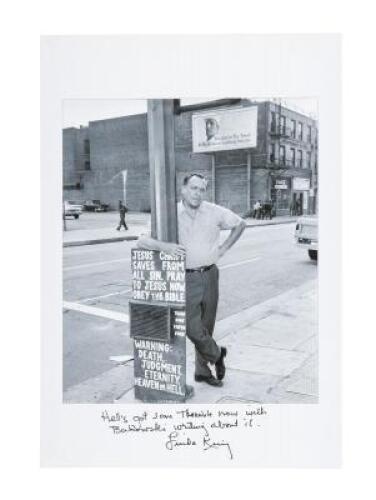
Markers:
(140, 67)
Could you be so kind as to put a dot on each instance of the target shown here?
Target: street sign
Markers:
(281, 184)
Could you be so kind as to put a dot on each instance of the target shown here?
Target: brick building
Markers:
(108, 160)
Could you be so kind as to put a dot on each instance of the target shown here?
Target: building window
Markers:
(292, 152)
(87, 165)
(300, 158)
(273, 124)
(272, 153)
(293, 129)
(309, 135)
(86, 147)
(300, 131)
(282, 154)
(283, 125)
(308, 159)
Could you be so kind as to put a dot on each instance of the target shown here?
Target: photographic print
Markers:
(190, 243)
(145, 322)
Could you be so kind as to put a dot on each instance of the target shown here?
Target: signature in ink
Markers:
(173, 441)
(209, 444)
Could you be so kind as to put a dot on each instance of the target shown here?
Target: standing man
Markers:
(199, 225)
(122, 211)
(257, 209)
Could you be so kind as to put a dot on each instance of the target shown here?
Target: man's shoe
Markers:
(220, 368)
(209, 380)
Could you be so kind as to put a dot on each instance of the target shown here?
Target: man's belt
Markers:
(200, 269)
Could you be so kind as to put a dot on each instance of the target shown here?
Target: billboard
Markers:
(221, 130)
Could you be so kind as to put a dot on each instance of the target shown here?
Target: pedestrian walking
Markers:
(122, 211)
(257, 209)
(199, 226)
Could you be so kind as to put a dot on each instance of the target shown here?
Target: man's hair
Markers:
(212, 120)
(193, 174)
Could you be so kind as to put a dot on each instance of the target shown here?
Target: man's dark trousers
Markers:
(201, 310)
(122, 223)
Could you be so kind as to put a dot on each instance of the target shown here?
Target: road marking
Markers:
(239, 263)
(123, 358)
(101, 263)
(128, 260)
(96, 311)
(105, 296)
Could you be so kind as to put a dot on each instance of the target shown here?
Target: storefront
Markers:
(281, 195)
(300, 195)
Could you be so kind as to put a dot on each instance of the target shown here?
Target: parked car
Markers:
(95, 206)
(306, 235)
(72, 209)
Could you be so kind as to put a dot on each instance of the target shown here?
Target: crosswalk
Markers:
(96, 311)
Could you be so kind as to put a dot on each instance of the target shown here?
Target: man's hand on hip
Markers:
(232, 238)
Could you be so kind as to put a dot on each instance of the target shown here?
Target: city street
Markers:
(97, 285)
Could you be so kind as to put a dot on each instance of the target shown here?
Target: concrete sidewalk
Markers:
(138, 223)
(272, 358)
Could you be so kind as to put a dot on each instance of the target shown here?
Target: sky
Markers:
(78, 112)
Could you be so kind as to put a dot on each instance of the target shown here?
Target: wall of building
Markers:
(116, 146)
(74, 158)
(119, 161)
(304, 144)
(69, 156)
(288, 141)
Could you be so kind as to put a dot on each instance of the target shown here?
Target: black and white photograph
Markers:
(190, 235)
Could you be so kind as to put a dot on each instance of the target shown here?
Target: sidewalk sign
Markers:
(158, 326)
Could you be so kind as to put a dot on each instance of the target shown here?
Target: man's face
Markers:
(211, 128)
(194, 191)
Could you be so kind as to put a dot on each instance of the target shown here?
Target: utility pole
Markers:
(157, 307)
(162, 169)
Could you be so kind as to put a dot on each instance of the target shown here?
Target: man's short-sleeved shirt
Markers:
(200, 234)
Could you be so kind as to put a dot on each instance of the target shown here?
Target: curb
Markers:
(270, 223)
(99, 241)
(134, 237)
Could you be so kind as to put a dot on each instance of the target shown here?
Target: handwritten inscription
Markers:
(204, 430)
